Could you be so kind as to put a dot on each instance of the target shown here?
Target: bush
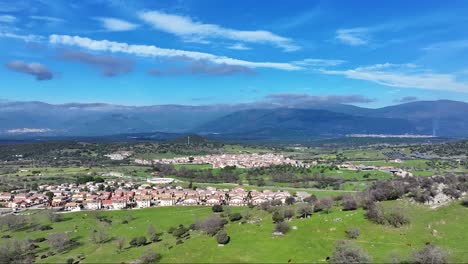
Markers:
(150, 256)
(70, 261)
(235, 217)
(311, 199)
(304, 210)
(352, 232)
(138, 241)
(465, 202)
(180, 231)
(290, 201)
(222, 237)
(288, 213)
(349, 203)
(397, 218)
(277, 217)
(281, 227)
(429, 254)
(348, 252)
(375, 213)
(39, 240)
(217, 208)
(211, 225)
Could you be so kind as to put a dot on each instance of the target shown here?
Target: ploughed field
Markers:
(312, 241)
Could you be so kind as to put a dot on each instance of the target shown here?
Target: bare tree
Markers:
(348, 252)
(120, 243)
(59, 241)
(326, 203)
(429, 254)
(304, 210)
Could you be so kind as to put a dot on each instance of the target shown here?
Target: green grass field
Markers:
(313, 240)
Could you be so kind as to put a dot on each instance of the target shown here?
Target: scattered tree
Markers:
(277, 216)
(288, 213)
(349, 202)
(352, 232)
(222, 237)
(281, 227)
(138, 241)
(326, 203)
(290, 200)
(150, 256)
(348, 252)
(59, 241)
(217, 208)
(235, 217)
(304, 210)
(429, 254)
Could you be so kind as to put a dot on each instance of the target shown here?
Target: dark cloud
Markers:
(40, 71)
(290, 99)
(202, 67)
(407, 99)
(108, 65)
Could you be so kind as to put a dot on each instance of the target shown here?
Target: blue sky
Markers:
(368, 53)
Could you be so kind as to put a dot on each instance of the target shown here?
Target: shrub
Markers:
(311, 199)
(235, 217)
(304, 210)
(375, 213)
(465, 202)
(348, 252)
(277, 217)
(352, 232)
(45, 227)
(155, 237)
(138, 241)
(222, 237)
(288, 213)
(39, 240)
(276, 203)
(217, 208)
(211, 225)
(290, 201)
(70, 261)
(397, 218)
(281, 227)
(429, 254)
(349, 203)
(150, 256)
(180, 231)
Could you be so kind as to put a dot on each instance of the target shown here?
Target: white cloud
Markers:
(26, 38)
(153, 51)
(48, 19)
(403, 76)
(7, 19)
(353, 36)
(318, 62)
(185, 27)
(448, 45)
(238, 46)
(114, 24)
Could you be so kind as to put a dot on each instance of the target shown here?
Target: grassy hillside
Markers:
(313, 240)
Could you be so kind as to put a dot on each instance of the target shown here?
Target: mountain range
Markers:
(243, 121)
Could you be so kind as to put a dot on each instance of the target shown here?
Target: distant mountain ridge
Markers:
(256, 120)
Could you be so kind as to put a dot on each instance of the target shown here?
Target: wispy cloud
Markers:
(48, 19)
(353, 36)
(108, 65)
(7, 19)
(448, 45)
(238, 46)
(185, 27)
(40, 71)
(25, 38)
(294, 99)
(203, 67)
(156, 52)
(319, 62)
(403, 76)
(114, 24)
(406, 99)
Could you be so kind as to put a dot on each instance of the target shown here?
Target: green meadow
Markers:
(312, 241)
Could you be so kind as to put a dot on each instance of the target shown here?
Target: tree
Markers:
(290, 200)
(277, 217)
(281, 227)
(235, 217)
(375, 213)
(288, 213)
(352, 232)
(326, 203)
(99, 235)
(59, 241)
(16, 251)
(310, 199)
(348, 252)
(429, 254)
(304, 210)
(260, 182)
(120, 244)
(150, 256)
(50, 196)
(349, 203)
(210, 225)
(138, 241)
(53, 216)
(108, 188)
(222, 237)
(101, 187)
(217, 208)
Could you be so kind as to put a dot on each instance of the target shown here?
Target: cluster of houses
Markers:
(225, 160)
(121, 195)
